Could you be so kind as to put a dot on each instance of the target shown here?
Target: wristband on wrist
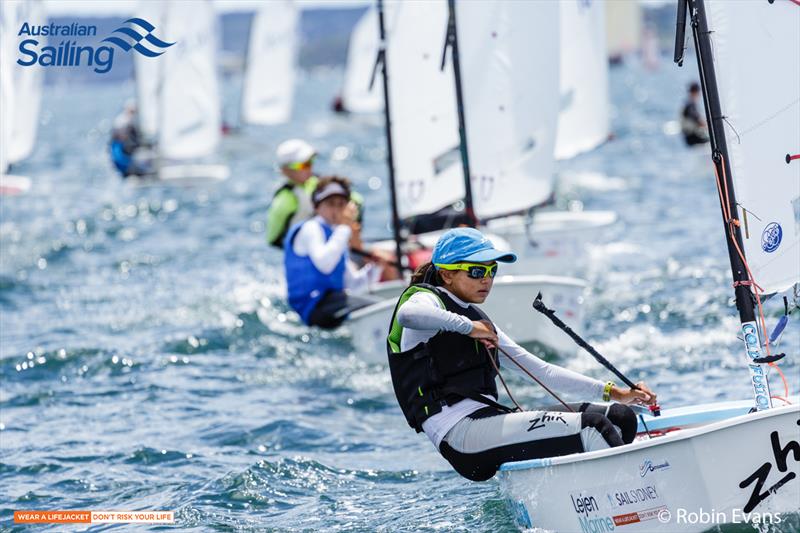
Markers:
(607, 391)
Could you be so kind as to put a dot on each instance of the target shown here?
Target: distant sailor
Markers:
(291, 203)
(318, 269)
(693, 126)
(443, 362)
(125, 140)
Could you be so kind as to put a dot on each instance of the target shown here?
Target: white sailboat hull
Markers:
(509, 306)
(11, 184)
(190, 175)
(198, 174)
(711, 463)
(554, 242)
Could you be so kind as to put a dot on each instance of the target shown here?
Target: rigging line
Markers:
(731, 224)
(553, 394)
(743, 208)
(783, 378)
(503, 381)
(771, 117)
(738, 137)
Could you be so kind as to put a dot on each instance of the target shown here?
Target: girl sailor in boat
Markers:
(443, 359)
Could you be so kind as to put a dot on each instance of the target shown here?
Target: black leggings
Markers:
(476, 446)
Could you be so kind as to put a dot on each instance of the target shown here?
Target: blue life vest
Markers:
(121, 160)
(306, 284)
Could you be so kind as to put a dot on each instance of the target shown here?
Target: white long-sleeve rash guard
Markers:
(310, 241)
(422, 317)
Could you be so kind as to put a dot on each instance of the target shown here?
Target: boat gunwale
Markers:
(678, 435)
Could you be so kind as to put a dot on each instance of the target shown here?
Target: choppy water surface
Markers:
(147, 359)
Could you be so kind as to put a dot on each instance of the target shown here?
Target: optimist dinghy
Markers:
(178, 96)
(734, 461)
(271, 64)
(422, 134)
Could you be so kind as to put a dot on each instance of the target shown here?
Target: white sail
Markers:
(623, 27)
(190, 105)
(148, 73)
(757, 60)
(28, 88)
(269, 78)
(422, 99)
(357, 96)
(7, 51)
(510, 62)
(583, 122)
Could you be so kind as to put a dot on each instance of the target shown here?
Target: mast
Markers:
(380, 62)
(719, 155)
(452, 43)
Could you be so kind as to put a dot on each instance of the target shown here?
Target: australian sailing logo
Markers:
(137, 35)
(771, 237)
(157, 46)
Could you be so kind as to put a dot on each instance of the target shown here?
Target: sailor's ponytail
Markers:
(426, 273)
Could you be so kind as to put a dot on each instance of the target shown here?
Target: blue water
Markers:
(148, 361)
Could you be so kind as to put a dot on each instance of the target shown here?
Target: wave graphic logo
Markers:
(139, 31)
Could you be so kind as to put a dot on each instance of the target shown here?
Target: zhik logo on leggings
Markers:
(540, 421)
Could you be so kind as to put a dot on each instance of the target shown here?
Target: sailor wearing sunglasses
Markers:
(291, 203)
(443, 362)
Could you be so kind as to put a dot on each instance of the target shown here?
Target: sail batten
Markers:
(757, 60)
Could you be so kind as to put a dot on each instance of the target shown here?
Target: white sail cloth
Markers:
(362, 51)
(7, 33)
(422, 98)
(623, 27)
(757, 61)
(510, 70)
(21, 90)
(583, 122)
(268, 90)
(177, 92)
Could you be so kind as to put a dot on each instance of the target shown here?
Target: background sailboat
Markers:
(357, 96)
(623, 30)
(423, 138)
(584, 118)
(511, 112)
(20, 116)
(722, 457)
(271, 64)
(178, 95)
